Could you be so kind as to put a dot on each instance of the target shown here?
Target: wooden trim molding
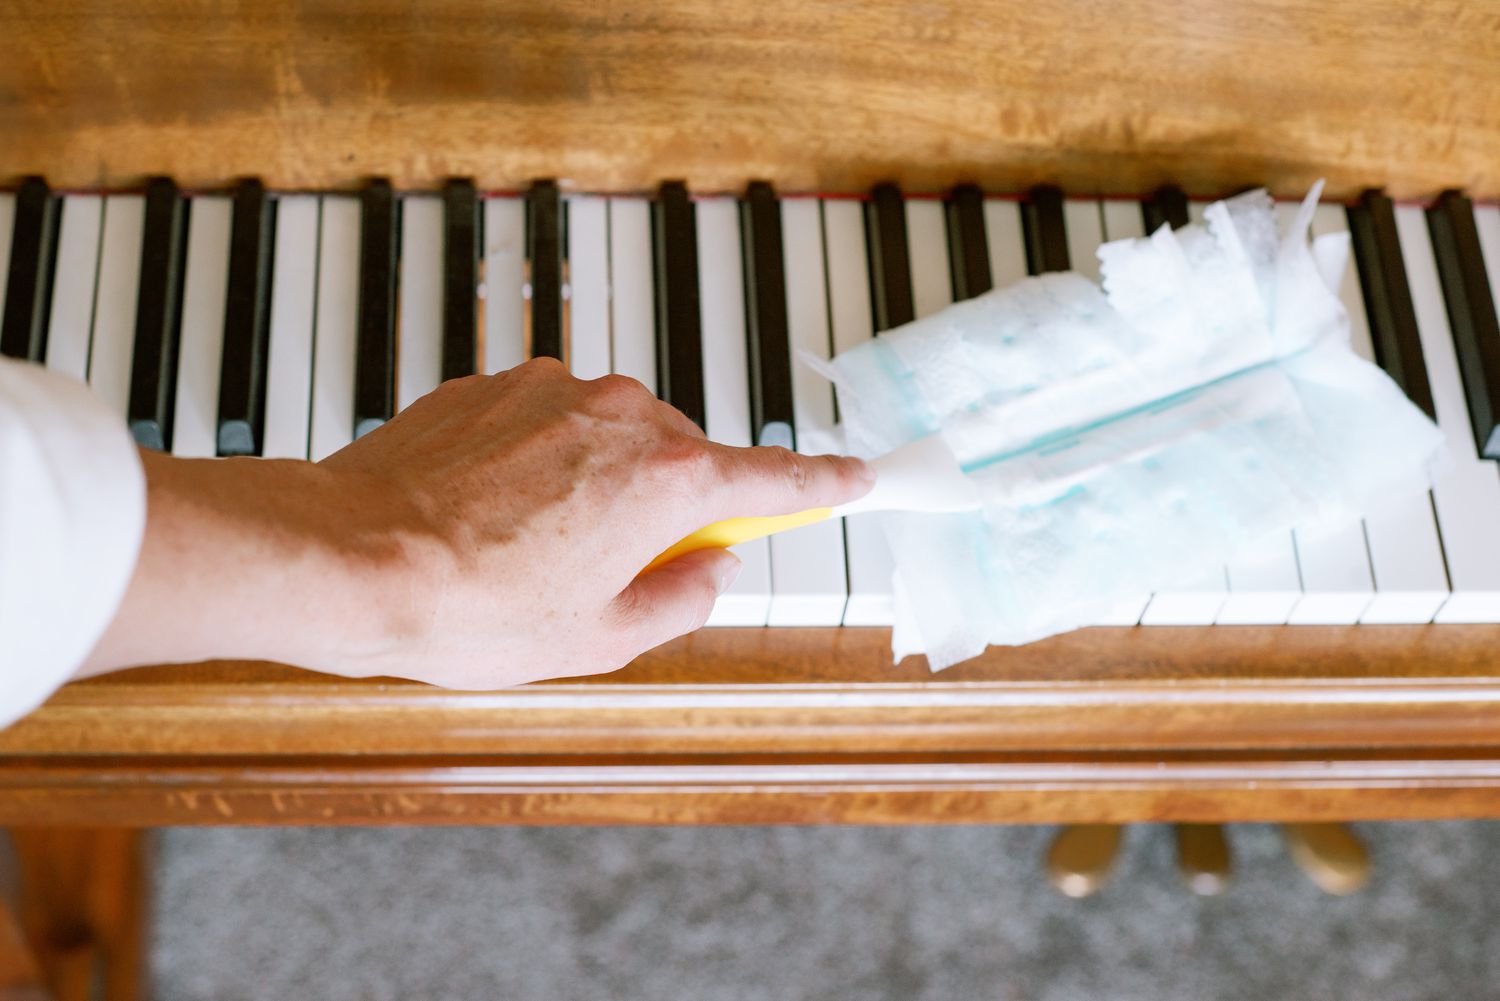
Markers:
(800, 726)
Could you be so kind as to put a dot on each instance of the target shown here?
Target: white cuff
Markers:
(72, 514)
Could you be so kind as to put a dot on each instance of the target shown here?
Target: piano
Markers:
(1339, 673)
(1335, 676)
(395, 237)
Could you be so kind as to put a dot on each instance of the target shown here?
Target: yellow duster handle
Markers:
(733, 531)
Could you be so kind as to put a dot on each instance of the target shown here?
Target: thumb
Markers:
(675, 598)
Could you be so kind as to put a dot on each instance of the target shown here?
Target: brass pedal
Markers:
(1203, 858)
(1331, 855)
(1082, 857)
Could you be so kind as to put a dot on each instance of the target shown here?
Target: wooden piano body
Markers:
(785, 725)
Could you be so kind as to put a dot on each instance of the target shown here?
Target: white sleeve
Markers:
(72, 513)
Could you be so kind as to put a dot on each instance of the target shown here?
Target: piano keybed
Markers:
(286, 325)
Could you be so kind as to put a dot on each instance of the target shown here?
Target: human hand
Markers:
(492, 533)
(528, 502)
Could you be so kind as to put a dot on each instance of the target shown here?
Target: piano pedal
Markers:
(1203, 858)
(1331, 855)
(1082, 857)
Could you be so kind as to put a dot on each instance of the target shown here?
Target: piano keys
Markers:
(460, 277)
(247, 317)
(261, 323)
(31, 254)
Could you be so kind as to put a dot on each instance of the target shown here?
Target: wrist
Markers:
(258, 559)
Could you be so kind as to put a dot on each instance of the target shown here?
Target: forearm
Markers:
(252, 559)
(492, 533)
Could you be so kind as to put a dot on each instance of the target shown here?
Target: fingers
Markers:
(773, 480)
(675, 598)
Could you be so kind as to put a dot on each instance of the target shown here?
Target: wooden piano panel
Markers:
(800, 726)
(1097, 97)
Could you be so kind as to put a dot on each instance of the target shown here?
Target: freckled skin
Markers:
(493, 533)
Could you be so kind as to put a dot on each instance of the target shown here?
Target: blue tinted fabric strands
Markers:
(1130, 434)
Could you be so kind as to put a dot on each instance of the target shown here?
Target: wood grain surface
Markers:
(801, 726)
(1112, 98)
(83, 905)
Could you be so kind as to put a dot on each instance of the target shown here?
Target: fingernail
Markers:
(865, 471)
(729, 571)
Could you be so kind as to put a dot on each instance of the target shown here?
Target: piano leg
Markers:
(81, 907)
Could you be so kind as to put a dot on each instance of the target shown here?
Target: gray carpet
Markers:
(780, 914)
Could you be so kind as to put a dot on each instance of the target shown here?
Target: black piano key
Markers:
(544, 260)
(375, 360)
(158, 316)
(1167, 207)
(968, 253)
(1388, 305)
(679, 344)
(889, 257)
(247, 322)
(1471, 314)
(767, 341)
(1044, 231)
(460, 279)
(28, 289)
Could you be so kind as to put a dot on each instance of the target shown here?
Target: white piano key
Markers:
(588, 286)
(419, 317)
(504, 284)
(1487, 221)
(632, 306)
(201, 343)
(1405, 553)
(1085, 233)
(76, 274)
(1336, 582)
(1120, 220)
(1334, 560)
(1263, 588)
(927, 244)
(1004, 241)
(334, 347)
(114, 304)
(870, 564)
(1126, 613)
(808, 586)
(726, 390)
(289, 353)
(7, 231)
(1193, 603)
(1468, 497)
